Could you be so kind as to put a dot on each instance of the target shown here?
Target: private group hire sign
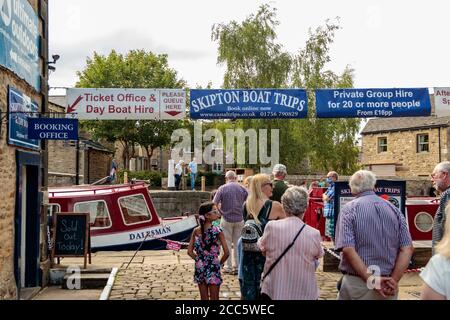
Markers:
(370, 103)
(126, 104)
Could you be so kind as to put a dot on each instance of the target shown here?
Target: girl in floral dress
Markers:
(204, 248)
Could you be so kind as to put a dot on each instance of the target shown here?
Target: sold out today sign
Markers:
(126, 104)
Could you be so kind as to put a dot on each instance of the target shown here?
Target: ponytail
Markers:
(202, 211)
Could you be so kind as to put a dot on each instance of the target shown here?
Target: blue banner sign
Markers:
(246, 104)
(19, 40)
(20, 108)
(53, 129)
(369, 103)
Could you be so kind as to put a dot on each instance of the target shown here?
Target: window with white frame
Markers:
(98, 213)
(382, 144)
(422, 143)
(134, 209)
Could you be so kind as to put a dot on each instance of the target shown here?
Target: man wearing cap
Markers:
(279, 186)
(178, 173)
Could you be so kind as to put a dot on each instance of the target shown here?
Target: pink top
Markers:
(294, 277)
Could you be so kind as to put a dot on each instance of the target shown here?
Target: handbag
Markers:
(265, 296)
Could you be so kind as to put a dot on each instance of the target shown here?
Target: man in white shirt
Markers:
(178, 173)
(193, 172)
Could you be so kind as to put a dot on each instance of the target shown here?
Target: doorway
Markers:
(27, 220)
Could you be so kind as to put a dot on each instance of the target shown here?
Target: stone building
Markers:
(94, 159)
(405, 147)
(139, 161)
(23, 93)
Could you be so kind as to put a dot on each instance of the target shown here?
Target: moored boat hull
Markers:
(131, 240)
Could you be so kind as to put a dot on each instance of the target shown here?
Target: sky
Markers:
(401, 44)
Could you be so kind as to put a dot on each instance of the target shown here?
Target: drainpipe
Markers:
(77, 164)
(88, 165)
(439, 142)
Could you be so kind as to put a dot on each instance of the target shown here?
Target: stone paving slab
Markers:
(167, 275)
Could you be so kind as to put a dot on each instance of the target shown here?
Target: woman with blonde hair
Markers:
(260, 209)
(247, 182)
(436, 275)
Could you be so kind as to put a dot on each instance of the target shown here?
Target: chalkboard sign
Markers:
(71, 235)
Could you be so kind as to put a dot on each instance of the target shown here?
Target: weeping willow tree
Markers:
(254, 59)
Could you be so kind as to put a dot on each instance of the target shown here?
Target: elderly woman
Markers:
(293, 278)
(261, 209)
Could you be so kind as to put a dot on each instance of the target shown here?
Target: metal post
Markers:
(77, 164)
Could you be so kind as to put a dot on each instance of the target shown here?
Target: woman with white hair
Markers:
(292, 250)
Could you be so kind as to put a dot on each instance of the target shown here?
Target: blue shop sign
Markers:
(53, 129)
(248, 104)
(20, 108)
(19, 40)
(369, 103)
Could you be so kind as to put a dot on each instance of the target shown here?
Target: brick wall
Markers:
(99, 165)
(62, 163)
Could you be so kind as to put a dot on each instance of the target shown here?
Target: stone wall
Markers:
(8, 288)
(402, 150)
(177, 203)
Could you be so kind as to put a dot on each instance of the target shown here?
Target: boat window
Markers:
(98, 213)
(134, 209)
(423, 221)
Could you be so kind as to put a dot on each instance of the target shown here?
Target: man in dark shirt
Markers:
(279, 186)
(441, 182)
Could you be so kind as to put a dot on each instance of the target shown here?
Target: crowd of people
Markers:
(275, 254)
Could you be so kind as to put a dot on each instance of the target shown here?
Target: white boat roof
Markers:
(86, 190)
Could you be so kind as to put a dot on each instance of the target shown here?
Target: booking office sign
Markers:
(369, 103)
(19, 40)
(248, 103)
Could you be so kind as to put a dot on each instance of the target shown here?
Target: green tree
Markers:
(331, 142)
(254, 59)
(136, 69)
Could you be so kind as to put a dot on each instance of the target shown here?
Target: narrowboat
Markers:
(121, 216)
(419, 213)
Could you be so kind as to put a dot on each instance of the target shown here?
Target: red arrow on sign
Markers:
(173, 113)
(73, 106)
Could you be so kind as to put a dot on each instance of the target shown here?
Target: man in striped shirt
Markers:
(230, 198)
(441, 182)
(375, 242)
